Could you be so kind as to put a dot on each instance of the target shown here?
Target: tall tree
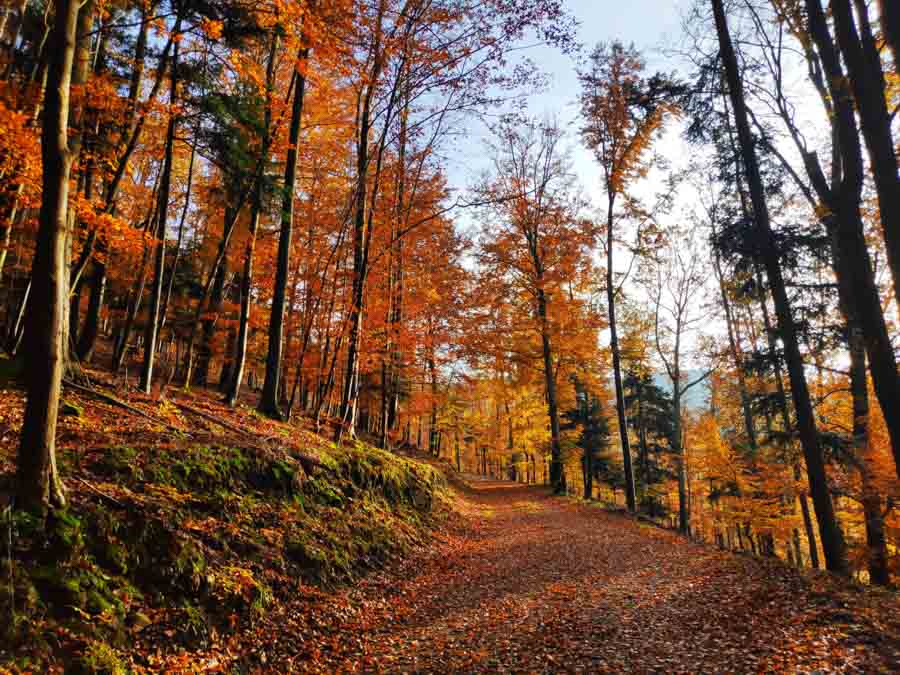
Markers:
(623, 113)
(37, 482)
(151, 332)
(269, 402)
(256, 207)
(675, 287)
(537, 244)
(860, 51)
(831, 535)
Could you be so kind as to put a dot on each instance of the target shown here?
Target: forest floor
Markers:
(525, 582)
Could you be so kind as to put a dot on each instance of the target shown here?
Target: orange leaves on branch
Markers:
(212, 29)
(623, 112)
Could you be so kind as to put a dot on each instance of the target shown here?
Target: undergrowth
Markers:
(176, 546)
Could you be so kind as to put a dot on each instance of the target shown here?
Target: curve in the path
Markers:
(532, 583)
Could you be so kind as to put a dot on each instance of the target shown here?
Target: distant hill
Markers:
(696, 398)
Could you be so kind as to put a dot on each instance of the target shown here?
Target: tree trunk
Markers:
(37, 482)
(364, 207)
(889, 11)
(432, 425)
(167, 298)
(588, 468)
(240, 356)
(6, 237)
(617, 361)
(133, 305)
(75, 295)
(396, 318)
(269, 401)
(736, 356)
(88, 339)
(684, 520)
(360, 238)
(872, 503)
(852, 263)
(866, 78)
(557, 477)
(152, 328)
(205, 353)
(832, 537)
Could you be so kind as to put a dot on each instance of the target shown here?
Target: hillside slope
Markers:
(187, 523)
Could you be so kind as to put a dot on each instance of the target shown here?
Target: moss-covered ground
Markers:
(172, 542)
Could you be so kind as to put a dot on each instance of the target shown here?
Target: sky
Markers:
(655, 28)
(649, 24)
(652, 25)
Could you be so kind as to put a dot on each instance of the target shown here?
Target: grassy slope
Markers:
(180, 531)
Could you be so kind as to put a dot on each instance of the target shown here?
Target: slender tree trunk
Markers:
(362, 221)
(557, 477)
(88, 339)
(6, 237)
(795, 541)
(617, 361)
(684, 519)
(866, 78)
(432, 422)
(872, 502)
(133, 304)
(229, 227)
(167, 298)
(152, 328)
(842, 199)
(832, 537)
(140, 52)
(75, 296)
(246, 291)
(37, 481)
(17, 327)
(269, 402)
(240, 357)
(588, 468)
(200, 376)
(360, 237)
(397, 313)
(736, 356)
(387, 356)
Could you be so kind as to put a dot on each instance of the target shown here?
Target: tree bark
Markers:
(557, 476)
(889, 11)
(204, 357)
(269, 401)
(240, 356)
(736, 356)
(37, 482)
(167, 298)
(842, 199)
(362, 220)
(832, 537)
(866, 78)
(876, 545)
(630, 497)
(152, 329)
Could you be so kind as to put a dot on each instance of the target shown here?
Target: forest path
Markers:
(531, 583)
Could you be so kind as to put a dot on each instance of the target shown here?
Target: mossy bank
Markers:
(174, 547)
